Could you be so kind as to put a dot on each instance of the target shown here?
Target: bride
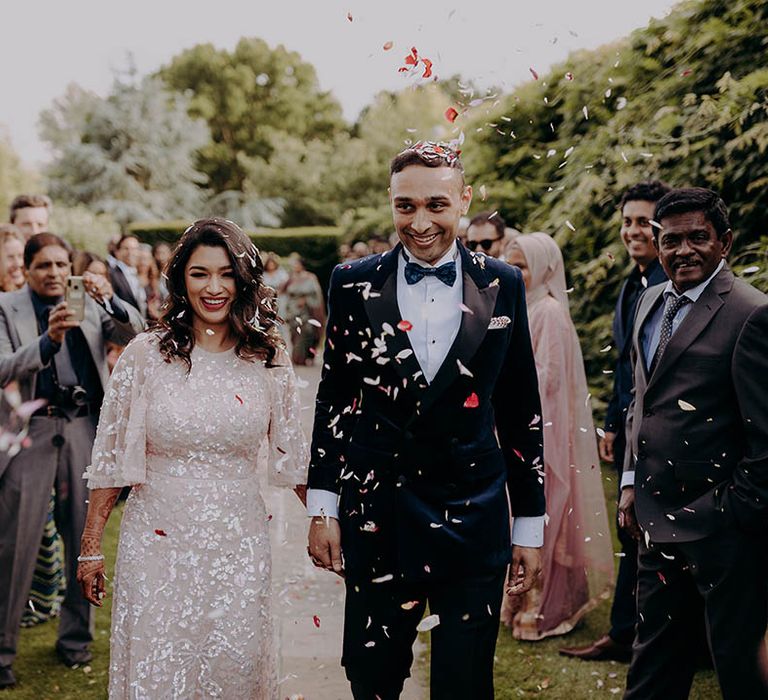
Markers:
(186, 410)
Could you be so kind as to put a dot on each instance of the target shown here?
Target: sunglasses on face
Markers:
(485, 243)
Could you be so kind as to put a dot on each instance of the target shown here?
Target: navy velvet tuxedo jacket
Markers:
(423, 469)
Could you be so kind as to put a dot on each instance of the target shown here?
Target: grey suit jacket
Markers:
(697, 428)
(20, 358)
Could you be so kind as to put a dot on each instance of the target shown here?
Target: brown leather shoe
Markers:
(604, 649)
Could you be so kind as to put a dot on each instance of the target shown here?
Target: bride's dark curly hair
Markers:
(252, 316)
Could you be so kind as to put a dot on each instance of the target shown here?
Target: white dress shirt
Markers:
(434, 310)
(651, 332)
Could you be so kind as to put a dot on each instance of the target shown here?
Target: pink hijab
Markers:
(577, 556)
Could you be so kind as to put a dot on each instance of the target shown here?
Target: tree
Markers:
(323, 180)
(684, 100)
(247, 97)
(14, 178)
(130, 155)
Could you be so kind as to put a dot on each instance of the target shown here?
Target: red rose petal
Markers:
(161, 533)
(427, 68)
(534, 74)
(451, 114)
(686, 72)
(388, 45)
(405, 325)
(316, 620)
(349, 16)
(472, 401)
(239, 399)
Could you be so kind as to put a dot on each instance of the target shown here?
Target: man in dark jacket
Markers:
(637, 206)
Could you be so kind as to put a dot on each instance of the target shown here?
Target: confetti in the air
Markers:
(685, 406)
(451, 114)
(161, 533)
(428, 623)
(472, 401)
(316, 620)
(349, 16)
(388, 45)
(534, 74)
(405, 326)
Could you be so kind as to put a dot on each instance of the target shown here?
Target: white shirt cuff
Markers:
(528, 532)
(628, 479)
(321, 503)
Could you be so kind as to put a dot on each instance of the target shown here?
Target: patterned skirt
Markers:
(48, 583)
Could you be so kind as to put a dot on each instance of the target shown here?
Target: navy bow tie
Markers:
(446, 273)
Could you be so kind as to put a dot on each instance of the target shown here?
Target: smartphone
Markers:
(75, 296)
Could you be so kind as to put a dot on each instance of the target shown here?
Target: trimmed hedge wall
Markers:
(317, 245)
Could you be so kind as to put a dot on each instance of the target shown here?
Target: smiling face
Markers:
(427, 204)
(211, 286)
(689, 248)
(637, 232)
(13, 252)
(48, 271)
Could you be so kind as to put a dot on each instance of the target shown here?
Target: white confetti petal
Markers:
(428, 623)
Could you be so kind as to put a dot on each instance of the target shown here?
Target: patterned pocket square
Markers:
(499, 322)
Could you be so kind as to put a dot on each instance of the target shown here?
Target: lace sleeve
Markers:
(288, 449)
(119, 450)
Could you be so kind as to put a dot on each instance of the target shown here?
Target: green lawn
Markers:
(39, 673)
(526, 669)
(523, 669)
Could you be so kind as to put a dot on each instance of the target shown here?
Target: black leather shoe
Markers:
(604, 649)
(73, 658)
(7, 679)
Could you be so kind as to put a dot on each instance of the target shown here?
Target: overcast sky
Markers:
(48, 44)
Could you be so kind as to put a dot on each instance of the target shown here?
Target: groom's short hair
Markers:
(431, 154)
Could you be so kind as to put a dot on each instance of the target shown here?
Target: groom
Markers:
(427, 428)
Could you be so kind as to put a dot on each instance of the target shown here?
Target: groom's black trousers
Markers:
(380, 627)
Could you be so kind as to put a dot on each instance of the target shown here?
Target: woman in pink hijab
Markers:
(577, 557)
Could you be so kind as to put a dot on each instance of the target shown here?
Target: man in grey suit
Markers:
(695, 488)
(52, 357)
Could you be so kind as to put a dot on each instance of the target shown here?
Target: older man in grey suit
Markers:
(695, 488)
(52, 356)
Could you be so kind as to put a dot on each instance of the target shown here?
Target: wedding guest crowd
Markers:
(686, 428)
(55, 358)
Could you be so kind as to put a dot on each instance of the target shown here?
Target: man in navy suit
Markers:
(637, 207)
(427, 429)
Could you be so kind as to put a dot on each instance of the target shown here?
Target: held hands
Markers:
(98, 287)
(60, 320)
(627, 519)
(325, 544)
(605, 447)
(525, 569)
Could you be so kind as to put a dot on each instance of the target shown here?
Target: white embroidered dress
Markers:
(191, 612)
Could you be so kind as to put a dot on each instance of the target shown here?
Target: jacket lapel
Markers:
(480, 297)
(695, 322)
(25, 319)
(648, 304)
(384, 315)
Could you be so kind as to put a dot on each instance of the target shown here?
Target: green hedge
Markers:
(317, 245)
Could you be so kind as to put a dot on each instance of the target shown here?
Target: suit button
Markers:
(648, 412)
